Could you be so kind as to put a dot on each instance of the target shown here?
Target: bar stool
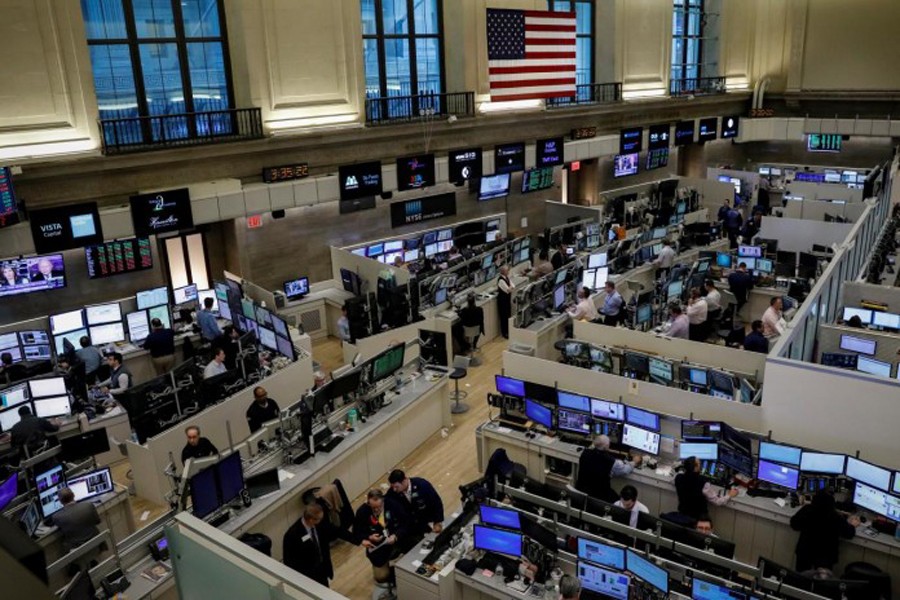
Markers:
(471, 334)
(460, 370)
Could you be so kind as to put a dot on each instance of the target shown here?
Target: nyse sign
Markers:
(423, 209)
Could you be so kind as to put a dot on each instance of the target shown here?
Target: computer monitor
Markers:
(780, 453)
(701, 430)
(842, 589)
(765, 266)
(65, 322)
(202, 295)
(509, 386)
(345, 385)
(723, 259)
(48, 483)
(31, 518)
(857, 344)
(498, 540)
(699, 450)
(606, 583)
(675, 289)
(267, 338)
(660, 371)
(138, 325)
(886, 320)
(150, 298)
(878, 501)
(8, 418)
(865, 315)
(388, 362)
(597, 260)
(601, 554)
(45, 387)
(750, 251)
(873, 367)
(640, 439)
(644, 314)
(110, 333)
(440, 296)
(99, 314)
(539, 413)
(642, 418)
(701, 589)
(776, 474)
(736, 459)
(500, 517)
(607, 410)
(230, 477)
(637, 363)
(46, 408)
(91, 484)
(13, 396)
(188, 294)
(204, 494)
(295, 289)
(572, 401)
(84, 444)
(9, 490)
(820, 462)
(573, 421)
(875, 476)
(646, 571)
(559, 296)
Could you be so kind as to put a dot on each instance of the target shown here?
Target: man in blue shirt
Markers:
(209, 328)
(612, 305)
(755, 340)
(740, 283)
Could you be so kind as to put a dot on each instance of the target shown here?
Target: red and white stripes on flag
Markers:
(531, 54)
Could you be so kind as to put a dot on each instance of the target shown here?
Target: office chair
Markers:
(879, 581)
(460, 370)
(472, 334)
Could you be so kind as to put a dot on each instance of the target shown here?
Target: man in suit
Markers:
(45, 273)
(307, 548)
(77, 521)
(378, 525)
(419, 501)
(596, 467)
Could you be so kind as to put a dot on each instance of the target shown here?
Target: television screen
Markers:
(464, 165)
(631, 140)
(730, 126)
(494, 186)
(498, 540)
(657, 159)
(32, 274)
(296, 288)
(509, 158)
(625, 165)
(823, 142)
(9, 207)
(67, 321)
(658, 137)
(868, 473)
(360, 180)
(549, 153)
(64, 227)
(415, 172)
(185, 295)
(534, 180)
(160, 212)
(709, 129)
(116, 258)
(684, 133)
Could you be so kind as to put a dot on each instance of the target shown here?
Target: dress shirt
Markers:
(214, 368)
(714, 300)
(585, 309)
(506, 288)
(697, 312)
(666, 258)
(771, 324)
(680, 327)
(209, 328)
(343, 325)
(91, 357)
(637, 508)
(612, 304)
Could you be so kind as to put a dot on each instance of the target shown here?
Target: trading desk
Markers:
(758, 526)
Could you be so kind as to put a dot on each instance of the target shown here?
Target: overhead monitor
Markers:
(868, 473)
(604, 409)
(640, 439)
(625, 165)
(509, 158)
(709, 129)
(776, 474)
(642, 418)
(415, 172)
(464, 165)
(65, 322)
(549, 152)
(730, 126)
(648, 572)
(46, 387)
(500, 517)
(684, 133)
(656, 159)
(494, 186)
(360, 180)
(858, 344)
(187, 294)
(118, 257)
(819, 462)
(605, 583)
(601, 554)
(65, 227)
(631, 140)
(154, 297)
(788, 455)
(99, 314)
(658, 136)
(91, 484)
(750, 251)
(535, 180)
(498, 540)
(161, 212)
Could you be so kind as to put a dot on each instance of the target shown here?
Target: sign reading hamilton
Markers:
(161, 212)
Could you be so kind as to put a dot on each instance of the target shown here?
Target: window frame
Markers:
(686, 8)
(592, 36)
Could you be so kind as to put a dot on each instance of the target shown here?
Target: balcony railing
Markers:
(395, 109)
(158, 132)
(697, 86)
(589, 93)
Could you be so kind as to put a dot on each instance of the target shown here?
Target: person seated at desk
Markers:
(262, 410)
(597, 467)
(695, 493)
(418, 499)
(197, 446)
(755, 341)
(628, 500)
(542, 267)
(697, 313)
(307, 547)
(217, 365)
(821, 528)
(228, 342)
(740, 283)
(569, 588)
(77, 521)
(161, 345)
(31, 431)
(772, 319)
(854, 322)
(209, 328)
(666, 257)
(612, 305)
(559, 257)
(91, 357)
(378, 525)
(713, 298)
(343, 325)
(472, 316)
(120, 378)
(585, 308)
(679, 325)
(10, 371)
(704, 525)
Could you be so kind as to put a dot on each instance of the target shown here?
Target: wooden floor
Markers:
(446, 460)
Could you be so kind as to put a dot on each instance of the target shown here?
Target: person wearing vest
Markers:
(120, 378)
(505, 289)
(597, 467)
(695, 493)
(378, 526)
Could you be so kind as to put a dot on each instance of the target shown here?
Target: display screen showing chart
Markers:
(115, 258)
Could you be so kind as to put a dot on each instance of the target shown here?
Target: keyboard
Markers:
(758, 493)
(329, 445)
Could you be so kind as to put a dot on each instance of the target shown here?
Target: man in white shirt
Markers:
(772, 318)
(628, 500)
(697, 312)
(666, 257)
(585, 309)
(713, 296)
(217, 365)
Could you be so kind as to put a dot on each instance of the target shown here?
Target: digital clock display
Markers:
(285, 173)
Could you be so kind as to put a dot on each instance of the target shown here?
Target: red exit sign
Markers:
(254, 222)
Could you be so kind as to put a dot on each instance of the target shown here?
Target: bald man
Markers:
(597, 467)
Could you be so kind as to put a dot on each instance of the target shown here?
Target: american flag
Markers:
(531, 54)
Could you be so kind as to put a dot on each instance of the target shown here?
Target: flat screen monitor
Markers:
(701, 430)
(857, 344)
(440, 296)
(698, 376)
(609, 411)
(375, 250)
(31, 518)
(9, 340)
(699, 450)
(776, 474)
(660, 371)
(865, 315)
(788, 455)
(646, 571)
(625, 165)
(8, 418)
(573, 401)
(539, 413)
(444, 235)
(9, 490)
(388, 362)
(498, 540)
(709, 129)
(637, 363)
(723, 259)
(46, 387)
(84, 444)
(605, 583)
(878, 501)
(204, 493)
(873, 367)
(868, 473)
(48, 484)
(231, 477)
(736, 460)
(415, 172)
(73, 337)
(675, 289)
(138, 325)
(640, 439)
(52, 407)
(509, 158)
(91, 484)
(500, 517)
(559, 296)
(345, 385)
(597, 260)
(702, 589)
(267, 338)
(13, 396)
(99, 314)
(110, 333)
(819, 462)
(296, 288)
(509, 386)
(535, 180)
(642, 418)
(263, 316)
(393, 246)
(66, 322)
(684, 133)
(154, 297)
(573, 421)
(285, 347)
(886, 320)
(32, 274)
(750, 251)
(644, 313)
(601, 554)
(187, 294)
(765, 265)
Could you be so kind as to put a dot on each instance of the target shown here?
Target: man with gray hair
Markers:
(597, 467)
(569, 588)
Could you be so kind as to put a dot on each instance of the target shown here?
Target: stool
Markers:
(879, 581)
(460, 370)
(472, 334)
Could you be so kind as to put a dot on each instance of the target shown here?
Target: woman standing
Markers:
(505, 289)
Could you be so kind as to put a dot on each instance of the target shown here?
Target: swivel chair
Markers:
(472, 334)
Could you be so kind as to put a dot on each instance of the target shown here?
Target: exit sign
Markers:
(254, 222)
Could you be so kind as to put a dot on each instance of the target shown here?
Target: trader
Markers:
(217, 365)
(666, 257)
(772, 318)
(704, 525)
(10, 371)
(679, 325)
(77, 521)
(740, 283)
(343, 325)
(569, 588)
(612, 305)
(628, 500)
(263, 409)
(723, 211)
(585, 309)
(307, 548)
(228, 342)
(755, 340)
(419, 500)
(378, 525)
(120, 378)
(697, 313)
(542, 267)
(695, 493)
(733, 222)
(31, 431)
(713, 298)
(91, 357)
(597, 467)
(505, 288)
(472, 316)
(821, 527)
(209, 328)
(559, 257)
(161, 344)
(196, 447)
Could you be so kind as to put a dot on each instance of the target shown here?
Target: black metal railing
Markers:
(589, 93)
(157, 132)
(697, 86)
(396, 109)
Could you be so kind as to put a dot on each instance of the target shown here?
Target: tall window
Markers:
(687, 41)
(153, 58)
(584, 35)
(402, 47)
